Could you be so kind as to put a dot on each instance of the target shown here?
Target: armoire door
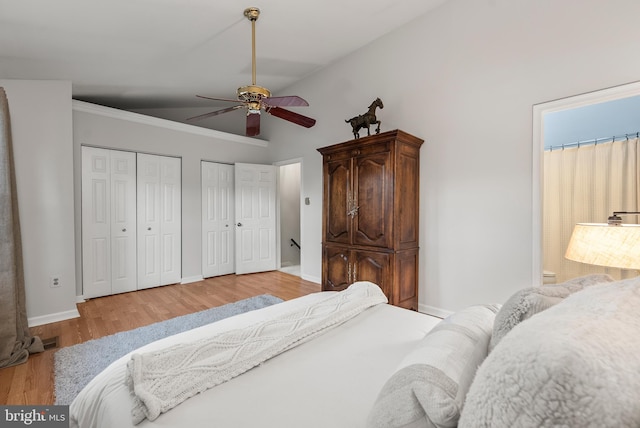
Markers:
(338, 200)
(373, 266)
(159, 220)
(108, 222)
(337, 270)
(255, 209)
(343, 266)
(372, 188)
(218, 219)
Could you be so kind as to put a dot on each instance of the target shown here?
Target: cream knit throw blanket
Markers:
(161, 380)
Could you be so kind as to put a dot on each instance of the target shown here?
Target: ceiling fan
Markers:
(256, 98)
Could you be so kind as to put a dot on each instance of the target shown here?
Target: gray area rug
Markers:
(76, 365)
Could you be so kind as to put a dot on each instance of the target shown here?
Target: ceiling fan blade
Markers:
(286, 101)
(215, 113)
(219, 99)
(291, 116)
(253, 124)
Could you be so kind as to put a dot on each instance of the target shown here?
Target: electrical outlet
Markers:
(54, 281)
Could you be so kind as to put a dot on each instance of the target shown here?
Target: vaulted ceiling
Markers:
(137, 54)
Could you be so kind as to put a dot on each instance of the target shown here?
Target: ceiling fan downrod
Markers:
(252, 14)
(253, 94)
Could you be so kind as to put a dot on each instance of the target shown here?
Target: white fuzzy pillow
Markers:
(577, 364)
(430, 385)
(527, 302)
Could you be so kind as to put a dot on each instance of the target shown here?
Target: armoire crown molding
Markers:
(86, 107)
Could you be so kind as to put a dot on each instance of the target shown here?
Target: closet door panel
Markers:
(170, 221)
(226, 204)
(123, 222)
(96, 233)
(148, 198)
(108, 222)
(218, 239)
(159, 220)
(255, 215)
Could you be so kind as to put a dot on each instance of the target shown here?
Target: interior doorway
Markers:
(540, 111)
(289, 191)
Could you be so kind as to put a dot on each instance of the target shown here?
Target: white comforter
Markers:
(163, 379)
(332, 380)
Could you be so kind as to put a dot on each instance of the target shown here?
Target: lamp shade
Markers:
(606, 245)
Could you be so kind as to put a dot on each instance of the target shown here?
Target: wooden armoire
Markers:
(370, 215)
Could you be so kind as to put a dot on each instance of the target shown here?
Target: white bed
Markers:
(331, 381)
(553, 355)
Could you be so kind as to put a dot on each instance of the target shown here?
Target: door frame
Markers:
(278, 216)
(539, 111)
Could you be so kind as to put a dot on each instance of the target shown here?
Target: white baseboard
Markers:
(47, 319)
(433, 311)
(311, 278)
(190, 279)
(80, 299)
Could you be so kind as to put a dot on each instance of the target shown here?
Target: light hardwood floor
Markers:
(32, 382)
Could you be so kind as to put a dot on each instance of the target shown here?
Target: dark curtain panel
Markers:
(15, 340)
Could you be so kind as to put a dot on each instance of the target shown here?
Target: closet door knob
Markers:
(148, 228)
(239, 224)
(124, 230)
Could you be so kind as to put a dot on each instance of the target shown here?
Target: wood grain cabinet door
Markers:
(343, 266)
(373, 266)
(336, 265)
(373, 187)
(337, 194)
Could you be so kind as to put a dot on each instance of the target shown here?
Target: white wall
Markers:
(41, 129)
(108, 128)
(464, 78)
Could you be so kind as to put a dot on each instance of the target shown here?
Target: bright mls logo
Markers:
(34, 416)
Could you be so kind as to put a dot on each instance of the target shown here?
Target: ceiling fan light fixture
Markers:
(254, 107)
(255, 98)
(253, 93)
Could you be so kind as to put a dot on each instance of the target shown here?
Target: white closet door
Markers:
(218, 239)
(170, 221)
(159, 220)
(123, 222)
(96, 234)
(108, 222)
(148, 221)
(255, 200)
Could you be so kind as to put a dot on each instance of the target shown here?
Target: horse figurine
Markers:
(367, 119)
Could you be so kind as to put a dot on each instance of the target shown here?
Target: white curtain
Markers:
(586, 184)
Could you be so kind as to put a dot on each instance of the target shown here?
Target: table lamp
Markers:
(612, 244)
